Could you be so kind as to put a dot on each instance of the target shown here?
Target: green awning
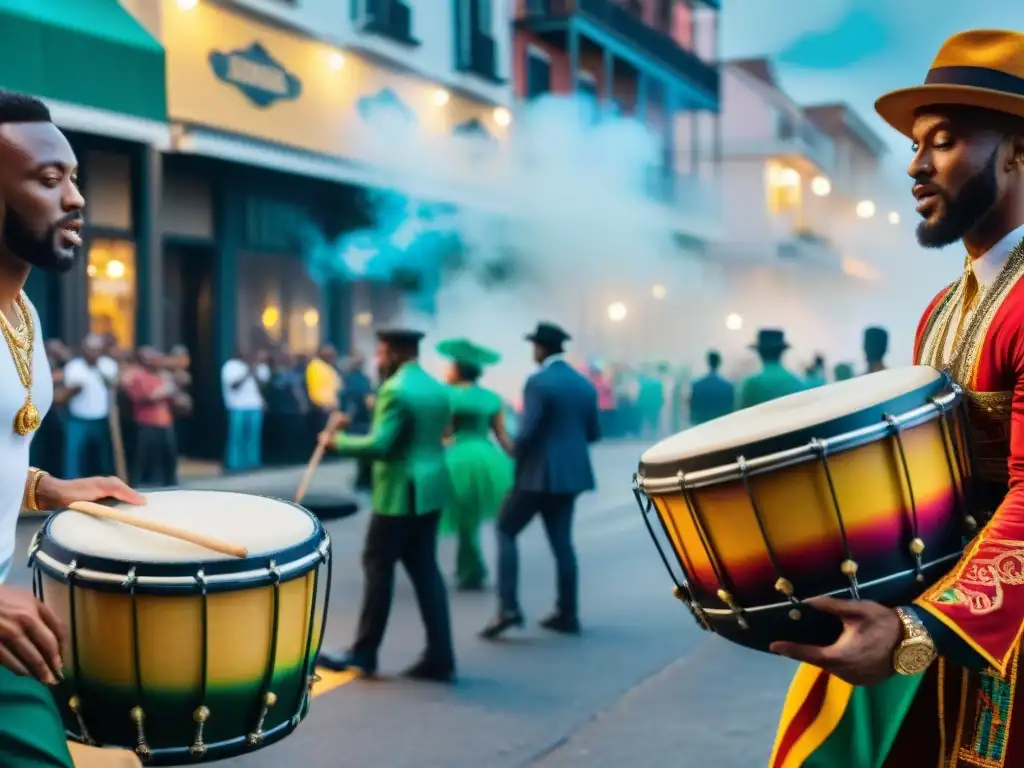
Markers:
(87, 52)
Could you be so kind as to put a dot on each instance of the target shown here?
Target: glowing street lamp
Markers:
(441, 97)
(866, 209)
(821, 186)
(659, 291)
(617, 312)
(894, 218)
(502, 116)
(734, 322)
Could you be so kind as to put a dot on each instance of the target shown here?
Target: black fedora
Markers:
(548, 335)
(770, 339)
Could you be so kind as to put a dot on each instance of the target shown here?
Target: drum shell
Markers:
(169, 649)
(718, 543)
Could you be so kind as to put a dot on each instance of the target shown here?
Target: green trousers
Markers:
(470, 571)
(31, 731)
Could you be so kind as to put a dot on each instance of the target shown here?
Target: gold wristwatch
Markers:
(916, 651)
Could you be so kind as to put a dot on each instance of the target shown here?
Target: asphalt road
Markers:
(643, 686)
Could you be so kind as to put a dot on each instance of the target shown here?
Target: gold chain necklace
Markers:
(22, 346)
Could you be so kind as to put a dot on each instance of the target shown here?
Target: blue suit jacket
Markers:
(559, 422)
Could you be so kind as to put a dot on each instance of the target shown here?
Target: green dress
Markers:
(481, 476)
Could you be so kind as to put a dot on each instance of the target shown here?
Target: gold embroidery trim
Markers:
(966, 352)
(999, 403)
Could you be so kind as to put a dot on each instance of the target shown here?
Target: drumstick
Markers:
(116, 438)
(315, 459)
(138, 521)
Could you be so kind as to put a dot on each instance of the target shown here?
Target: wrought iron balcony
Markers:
(552, 17)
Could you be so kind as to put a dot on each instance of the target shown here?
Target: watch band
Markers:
(913, 627)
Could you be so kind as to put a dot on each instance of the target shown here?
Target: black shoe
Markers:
(501, 623)
(340, 662)
(430, 671)
(560, 622)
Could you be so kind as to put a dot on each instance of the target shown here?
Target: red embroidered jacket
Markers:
(982, 600)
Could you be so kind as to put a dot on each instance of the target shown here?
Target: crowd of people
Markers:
(120, 411)
(653, 400)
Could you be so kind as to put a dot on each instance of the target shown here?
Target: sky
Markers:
(859, 48)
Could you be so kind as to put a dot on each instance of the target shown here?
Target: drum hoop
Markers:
(836, 592)
(811, 451)
(58, 561)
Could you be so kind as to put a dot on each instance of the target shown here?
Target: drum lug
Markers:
(142, 747)
(268, 701)
(695, 608)
(75, 705)
(201, 715)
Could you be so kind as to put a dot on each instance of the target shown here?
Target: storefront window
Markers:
(112, 289)
(278, 303)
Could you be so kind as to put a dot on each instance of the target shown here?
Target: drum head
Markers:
(896, 390)
(260, 524)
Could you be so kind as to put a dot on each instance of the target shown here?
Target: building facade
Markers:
(802, 180)
(655, 60)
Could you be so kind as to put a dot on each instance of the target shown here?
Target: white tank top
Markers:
(14, 448)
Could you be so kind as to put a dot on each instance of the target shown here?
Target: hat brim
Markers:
(899, 108)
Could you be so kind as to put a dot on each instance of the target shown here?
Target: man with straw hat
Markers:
(935, 683)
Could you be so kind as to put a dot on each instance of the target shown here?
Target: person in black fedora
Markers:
(774, 380)
(411, 486)
(876, 344)
(552, 468)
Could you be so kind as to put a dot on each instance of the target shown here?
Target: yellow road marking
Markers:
(330, 680)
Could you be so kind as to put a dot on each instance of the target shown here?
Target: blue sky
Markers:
(853, 50)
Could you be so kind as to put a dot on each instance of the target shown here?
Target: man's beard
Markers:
(962, 213)
(38, 250)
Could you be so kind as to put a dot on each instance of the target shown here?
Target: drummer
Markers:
(957, 649)
(42, 219)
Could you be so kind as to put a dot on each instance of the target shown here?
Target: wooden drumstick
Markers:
(318, 454)
(138, 521)
(116, 438)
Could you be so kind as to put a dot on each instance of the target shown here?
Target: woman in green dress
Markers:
(477, 456)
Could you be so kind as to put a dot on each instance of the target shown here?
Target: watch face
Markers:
(913, 658)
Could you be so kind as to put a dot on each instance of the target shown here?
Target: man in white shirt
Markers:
(41, 212)
(90, 379)
(241, 379)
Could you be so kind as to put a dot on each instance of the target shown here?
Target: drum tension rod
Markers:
(947, 422)
(916, 545)
(849, 566)
(782, 585)
(722, 593)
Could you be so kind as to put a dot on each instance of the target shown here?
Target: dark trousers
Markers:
(412, 541)
(556, 510)
(156, 457)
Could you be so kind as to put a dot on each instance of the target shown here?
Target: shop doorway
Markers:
(189, 319)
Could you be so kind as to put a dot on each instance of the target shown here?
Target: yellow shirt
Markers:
(322, 383)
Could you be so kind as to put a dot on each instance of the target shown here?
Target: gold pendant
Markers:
(27, 419)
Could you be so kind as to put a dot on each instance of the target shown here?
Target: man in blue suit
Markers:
(711, 396)
(552, 457)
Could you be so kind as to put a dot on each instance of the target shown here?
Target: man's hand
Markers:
(31, 636)
(54, 493)
(863, 653)
(335, 422)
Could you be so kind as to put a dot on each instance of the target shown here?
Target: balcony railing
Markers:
(621, 22)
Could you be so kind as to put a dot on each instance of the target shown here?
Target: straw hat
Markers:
(980, 68)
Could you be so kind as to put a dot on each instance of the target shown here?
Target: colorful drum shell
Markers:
(714, 530)
(257, 630)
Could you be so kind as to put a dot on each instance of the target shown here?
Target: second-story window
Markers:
(388, 18)
(476, 50)
(538, 74)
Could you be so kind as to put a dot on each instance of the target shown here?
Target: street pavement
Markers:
(643, 686)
